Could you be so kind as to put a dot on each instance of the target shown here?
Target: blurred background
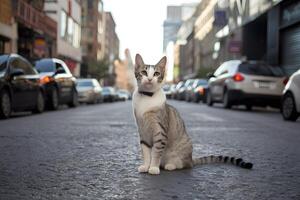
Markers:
(95, 40)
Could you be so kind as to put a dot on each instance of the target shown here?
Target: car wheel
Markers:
(209, 100)
(40, 103)
(226, 101)
(74, 101)
(289, 111)
(54, 100)
(5, 107)
(248, 107)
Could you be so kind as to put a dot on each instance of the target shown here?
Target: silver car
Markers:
(89, 91)
(291, 98)
(249, 83)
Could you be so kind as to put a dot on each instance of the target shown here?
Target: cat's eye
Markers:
(144, 73)
(156, 73)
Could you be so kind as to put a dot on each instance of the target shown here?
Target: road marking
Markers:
(207, 117)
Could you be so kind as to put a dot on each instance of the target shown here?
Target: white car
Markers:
(249, 83)
(291, 98)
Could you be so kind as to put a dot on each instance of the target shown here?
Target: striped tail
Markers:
(222, 159)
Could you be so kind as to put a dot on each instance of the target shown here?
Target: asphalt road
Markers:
(92, 152)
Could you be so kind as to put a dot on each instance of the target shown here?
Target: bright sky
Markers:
(140, 25)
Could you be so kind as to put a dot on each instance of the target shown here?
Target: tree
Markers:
(98, 68)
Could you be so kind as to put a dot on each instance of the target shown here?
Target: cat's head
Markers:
(149, 77)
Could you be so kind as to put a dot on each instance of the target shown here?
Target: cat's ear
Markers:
(162, 64)
(138, 61)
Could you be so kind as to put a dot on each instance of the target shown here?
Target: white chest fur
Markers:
(143, 103)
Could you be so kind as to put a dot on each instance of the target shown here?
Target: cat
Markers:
(163, 138)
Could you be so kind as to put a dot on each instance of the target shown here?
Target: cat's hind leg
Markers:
(174, 163)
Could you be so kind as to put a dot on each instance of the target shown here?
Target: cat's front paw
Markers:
(154, 170)
(143, 169)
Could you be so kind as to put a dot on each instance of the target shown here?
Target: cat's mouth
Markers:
(148, 84)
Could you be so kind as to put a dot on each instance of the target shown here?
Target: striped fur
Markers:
(163, 137)
(222, 159)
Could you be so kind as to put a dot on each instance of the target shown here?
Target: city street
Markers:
(92, 152)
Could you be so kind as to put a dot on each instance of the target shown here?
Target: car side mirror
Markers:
(60, 70)
(17, 72)
(210, 75)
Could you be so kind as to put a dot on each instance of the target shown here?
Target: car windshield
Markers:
(44, 66)
(189, 83)
(3, 63)
(260, 69)
(85, 83)
(166, 87)
(106, 90)
(201, 82)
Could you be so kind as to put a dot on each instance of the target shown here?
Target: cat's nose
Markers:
(149, 79)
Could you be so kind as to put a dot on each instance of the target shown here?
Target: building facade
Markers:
(111, 46)
(67, 14)
(92, 33)
(172, 25)
(266, 30)
(8, 29)
(111, 42)
(26, 29)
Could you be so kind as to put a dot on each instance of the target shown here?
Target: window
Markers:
(76, 38)
(260, 69)
(3, 63)
(90, 4)
(63, 24)
(70, 30)
(18, 63)
(58, 65)
(45, 66)
(100, 7)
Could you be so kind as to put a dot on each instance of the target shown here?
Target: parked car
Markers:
(89, 91)
(290, 108)
(183, 90)
(123, 95)
(20, 89)
(59, 83)
(177, 88)
(109, 94)
(198, 92)
(173, 91)
(249, 83)
(167, 90)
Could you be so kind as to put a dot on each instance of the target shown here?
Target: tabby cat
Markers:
(163, 138)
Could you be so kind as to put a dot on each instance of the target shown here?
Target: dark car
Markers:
(20, 89)
(109, 94)
(59, 83)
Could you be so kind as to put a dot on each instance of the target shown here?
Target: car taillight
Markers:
(286, 80)
(238, 77)
(46, 79)
(201, 90)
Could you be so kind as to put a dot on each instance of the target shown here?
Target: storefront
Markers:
(290, 36)
(283, 41)
(36, 31)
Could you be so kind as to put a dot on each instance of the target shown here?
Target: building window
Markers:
(100, 7)
(90, 4)
(76, 38)
(63, 24)
(70, 30)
